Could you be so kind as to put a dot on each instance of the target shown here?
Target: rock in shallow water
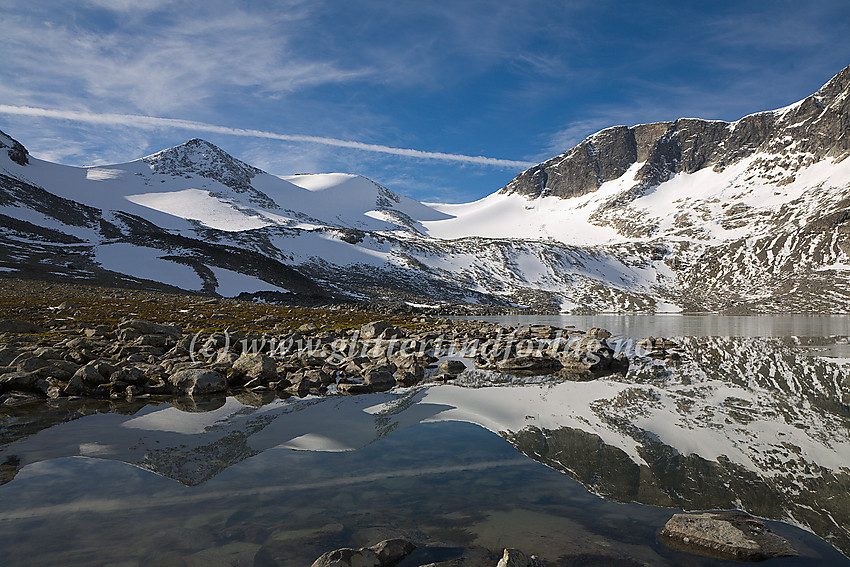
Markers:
(728, 535)
(384, 554)
(516, 558)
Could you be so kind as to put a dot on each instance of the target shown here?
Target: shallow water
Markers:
(760, 424)
(454, 482)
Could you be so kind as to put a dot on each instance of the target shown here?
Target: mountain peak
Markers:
(836, 86)
(203, 158)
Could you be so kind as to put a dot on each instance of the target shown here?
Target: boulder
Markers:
(529, 364)
(90, 374)
(32, 363)
(348, 557)
(353, 388)
(7, 355)
(392, 551)
(24, 382)
(305, 381)
(253, 366)
(387, 553)
(59, 369)
(516, 558)
(194, 381)
(76, 387)
(729, 535)
(374, 329)
(452, 367)
(130, 374)
(597, 333)
(410, 376)
(380, 379)
(131, 329)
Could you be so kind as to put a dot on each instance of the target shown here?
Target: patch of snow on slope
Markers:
(146, 263)
(232, 283)
(513, 216)
(347, 199)
(706, 195)
(200, 205)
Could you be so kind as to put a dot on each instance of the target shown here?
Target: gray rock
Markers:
(729, 535)
(380, 379)
(32, 363)
(90, 374)
(392, 551)
(130, 374)
(597, 333)
(347, 557)
(353, 388)
(24, 382)
(452, 367)
(59, 369)
(516, 558)
(194, 381)
(529, 364)
(253, 366)
(76, 387)
(18, 326)
(141, 327)
(374, 329)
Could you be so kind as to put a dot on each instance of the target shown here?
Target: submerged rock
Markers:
(387, 553)
(516, 558)
(728, 535)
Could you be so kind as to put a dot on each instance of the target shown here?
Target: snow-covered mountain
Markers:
(752, 215)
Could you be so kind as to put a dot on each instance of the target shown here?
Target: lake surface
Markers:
(674, 325)
(585, 473)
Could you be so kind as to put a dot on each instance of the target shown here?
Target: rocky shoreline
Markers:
(140, 358)
(72, 341)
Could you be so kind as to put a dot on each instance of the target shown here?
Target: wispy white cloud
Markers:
(141, 121)
(160, 61)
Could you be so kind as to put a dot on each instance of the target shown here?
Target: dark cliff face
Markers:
(17, 152)
(818, 125)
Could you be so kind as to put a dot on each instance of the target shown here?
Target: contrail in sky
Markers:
(141, 121)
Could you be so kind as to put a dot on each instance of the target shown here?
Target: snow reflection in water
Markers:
(758, 424)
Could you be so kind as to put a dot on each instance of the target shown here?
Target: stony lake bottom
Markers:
(580, 473)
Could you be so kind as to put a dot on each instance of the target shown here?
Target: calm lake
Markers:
(754, 416)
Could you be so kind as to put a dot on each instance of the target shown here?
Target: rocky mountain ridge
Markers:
(814, 128)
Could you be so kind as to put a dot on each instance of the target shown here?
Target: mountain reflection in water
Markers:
(761, 425)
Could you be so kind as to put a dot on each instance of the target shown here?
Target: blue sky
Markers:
(520, 81)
